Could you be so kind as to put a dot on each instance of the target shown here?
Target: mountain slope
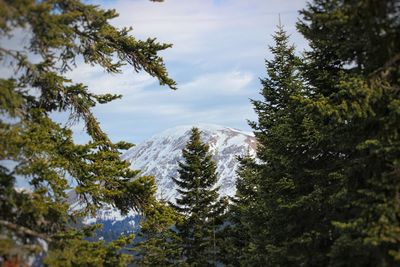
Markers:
(159, 155)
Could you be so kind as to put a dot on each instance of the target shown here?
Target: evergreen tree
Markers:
(76, 251)
(42, 151)
(326, 190)
(285, 209)
(237, 249)
(353, 67)
(276, 133)
(159, 245)
(198, 203)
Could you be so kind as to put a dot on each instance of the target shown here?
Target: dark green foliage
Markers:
(188, 233)
(74, 250)
(279, 197)
(35, 148)
(325, 192)
(160, 244)
(198, 204)
(237, 249)
(354, 67)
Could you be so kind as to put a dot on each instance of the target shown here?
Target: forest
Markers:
(322, 190)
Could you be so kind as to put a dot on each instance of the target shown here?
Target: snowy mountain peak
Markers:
(203, 127)
(158, 156)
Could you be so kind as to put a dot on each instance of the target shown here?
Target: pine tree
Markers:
(353, 67)
(198, 203)
(160, 244)
(237, 248)
(285, 195)
(42, 151)
(289, 179)
(325, 192)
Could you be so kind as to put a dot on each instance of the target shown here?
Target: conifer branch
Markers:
(22, 230)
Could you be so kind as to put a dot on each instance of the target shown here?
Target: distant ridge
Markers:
(158, 156)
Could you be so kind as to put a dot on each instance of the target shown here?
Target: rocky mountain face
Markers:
(158, 156)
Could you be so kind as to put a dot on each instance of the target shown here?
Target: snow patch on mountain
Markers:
(159, 156)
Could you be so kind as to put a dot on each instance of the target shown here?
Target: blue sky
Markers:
(217, 58)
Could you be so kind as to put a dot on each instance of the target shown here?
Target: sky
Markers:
(217, 60)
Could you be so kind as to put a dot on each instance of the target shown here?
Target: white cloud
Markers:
(202, 30)
(100, 82)
(191, 97)
(233, 82)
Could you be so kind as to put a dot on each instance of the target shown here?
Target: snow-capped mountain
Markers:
(159, 155)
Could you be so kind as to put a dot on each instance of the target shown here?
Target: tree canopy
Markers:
(198, 203)
(61, 35)
(324, 189)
